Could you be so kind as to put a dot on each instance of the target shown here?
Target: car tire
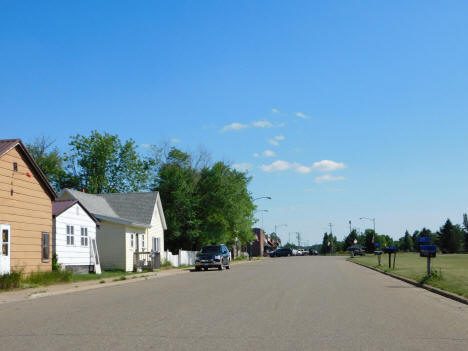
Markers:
(198, 269)
(205, 268)
(228, 265)
(221, 267)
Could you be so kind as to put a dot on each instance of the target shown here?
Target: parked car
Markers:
(273, 253)
(283, 252)
(213, 256)
(313, 252)
(359, 252)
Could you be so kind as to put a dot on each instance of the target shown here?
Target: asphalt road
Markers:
(311, 303)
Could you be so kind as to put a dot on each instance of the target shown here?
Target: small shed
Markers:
(74, 237)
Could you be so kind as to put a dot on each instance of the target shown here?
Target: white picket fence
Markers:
(183, 258)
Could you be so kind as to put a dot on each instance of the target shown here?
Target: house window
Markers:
(45, 247)
(156, 247)
(70, 235)
(78, 210)
(15, 167)
(84, 236)
(142, 243)
(131, 240)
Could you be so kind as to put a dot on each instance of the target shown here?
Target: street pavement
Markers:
(290, 303)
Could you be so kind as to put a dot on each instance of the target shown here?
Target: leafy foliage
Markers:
(103, 164)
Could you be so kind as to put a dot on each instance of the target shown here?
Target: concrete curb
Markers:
(61, 289)
(443, 293)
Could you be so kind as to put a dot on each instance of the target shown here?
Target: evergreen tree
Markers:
(465, 227)
(447, 237)
(349, 240)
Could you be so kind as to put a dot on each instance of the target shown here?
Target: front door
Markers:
(5, 248)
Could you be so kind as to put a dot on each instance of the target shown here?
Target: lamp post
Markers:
(257, 198)
(262, 197)
(262, 211)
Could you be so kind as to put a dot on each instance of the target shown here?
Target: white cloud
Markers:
(328, 165)
(302, 169)
(256, 154)
(262, 124)
(145, 145)
(328, 178)
(242, 167)
(276, 166)
(175, 140)
(269, 153)
(234, 126)
(274, 110)
(301, 115)
(275, 141)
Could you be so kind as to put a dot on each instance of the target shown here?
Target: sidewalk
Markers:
(66, 288)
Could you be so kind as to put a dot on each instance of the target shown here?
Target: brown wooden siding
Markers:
(28, 211)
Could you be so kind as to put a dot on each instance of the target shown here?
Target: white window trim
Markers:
(70, 235)
(84, 237)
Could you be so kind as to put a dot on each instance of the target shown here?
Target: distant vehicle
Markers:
(213, 256)
(273, 253)
(313, 252)
(359, 252)
(283, 252)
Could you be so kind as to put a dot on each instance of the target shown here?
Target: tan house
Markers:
(25, 211)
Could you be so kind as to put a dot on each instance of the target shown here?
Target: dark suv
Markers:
(213, 256)
(282, 252)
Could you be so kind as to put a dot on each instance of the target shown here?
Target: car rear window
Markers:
(211, 249)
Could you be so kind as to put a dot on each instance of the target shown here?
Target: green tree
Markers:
(406, 242)
(349, 240)
(226, 207)
(176, 182)
(105, 164)
(448, 238)
(50, 161)
(465, 227)
(369, 240)
(326, 244)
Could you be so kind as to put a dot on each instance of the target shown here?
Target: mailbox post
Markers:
(428, 251)
(378, 252)
(391, 250)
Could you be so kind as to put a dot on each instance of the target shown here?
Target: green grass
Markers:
(449, 272)
(47, 278)
(105, 274)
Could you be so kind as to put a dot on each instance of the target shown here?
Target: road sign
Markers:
(377, 245)
(424, 239)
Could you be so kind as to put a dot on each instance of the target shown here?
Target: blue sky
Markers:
(338, 109)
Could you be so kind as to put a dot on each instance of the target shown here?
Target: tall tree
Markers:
(369, 240)
(176, 182)
(326, 244)
(349, 240)
(226, 207)
(50, 161)
(448, 238)
(406, 242)
(465, 227)
(105, 164)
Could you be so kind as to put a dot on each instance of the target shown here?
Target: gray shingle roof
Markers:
(130, 208)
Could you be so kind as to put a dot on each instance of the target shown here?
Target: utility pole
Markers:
(350, 230)
(331, 241)
(298, 235)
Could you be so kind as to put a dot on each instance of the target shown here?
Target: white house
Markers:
(74, 237)
(128, 223)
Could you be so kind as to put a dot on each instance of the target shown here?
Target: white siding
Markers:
(156, 231)
(76, 254)
(128, 247)
(111, 245)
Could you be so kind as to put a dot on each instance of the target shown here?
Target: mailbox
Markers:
(428, 251)
(390, 249)
(378, 252)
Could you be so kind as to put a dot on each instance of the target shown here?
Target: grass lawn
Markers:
(450, 271)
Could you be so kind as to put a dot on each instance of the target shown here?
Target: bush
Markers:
(10, 280)
(55, 265)
(241, 257)
(47, 278)
(166, 263)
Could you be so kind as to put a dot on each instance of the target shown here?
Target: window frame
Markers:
(84, 236)
(45, 245)
(70, 235)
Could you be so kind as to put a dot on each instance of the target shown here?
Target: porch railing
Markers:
(146, 261)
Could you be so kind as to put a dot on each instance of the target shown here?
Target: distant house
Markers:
(256, 247)
(74, 237)
(129, 223)
(25, 211)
